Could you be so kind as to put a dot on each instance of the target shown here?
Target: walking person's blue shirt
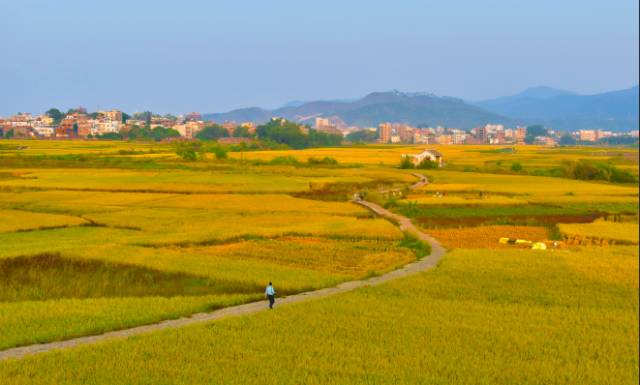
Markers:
(270, 290)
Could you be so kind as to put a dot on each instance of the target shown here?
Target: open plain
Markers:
(105, 236)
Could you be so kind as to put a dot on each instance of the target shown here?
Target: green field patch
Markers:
(51, 276)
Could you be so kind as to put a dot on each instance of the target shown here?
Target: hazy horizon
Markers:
(199, 56)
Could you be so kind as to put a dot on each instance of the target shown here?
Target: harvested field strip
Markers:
(16, 220)
(487, 236)
(521, 220)
(416, 210)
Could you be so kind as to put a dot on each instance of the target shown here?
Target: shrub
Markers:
(187, 151)
(419, 248)
(585, 170)
(110, 136)
(218, 151)
(427, 164)
(516, 167)
(285, 161)
(406, 162)
(326, 161)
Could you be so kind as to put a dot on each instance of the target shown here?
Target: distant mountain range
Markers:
(375, 108)
(617, 110)
(566, 110)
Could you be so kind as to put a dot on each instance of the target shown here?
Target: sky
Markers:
(213, 56)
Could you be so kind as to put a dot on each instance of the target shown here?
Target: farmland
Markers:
(481, 317)
(99, 236)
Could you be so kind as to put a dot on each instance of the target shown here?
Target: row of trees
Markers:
(568, 140)
(143, 133)
(586, 170)
(58, 115)
(278, 132)
(282, 131)
(215, 132)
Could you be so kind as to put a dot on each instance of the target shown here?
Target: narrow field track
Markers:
(437, 251)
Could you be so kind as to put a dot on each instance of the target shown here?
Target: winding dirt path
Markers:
(437, 251)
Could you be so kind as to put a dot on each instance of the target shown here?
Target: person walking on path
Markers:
(270, 292)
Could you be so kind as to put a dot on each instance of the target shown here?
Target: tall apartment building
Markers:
(404, 132)
(520, 133)
(481, 134)
(458, 136)
(385, 131)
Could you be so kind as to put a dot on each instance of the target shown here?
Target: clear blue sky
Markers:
(211, 56)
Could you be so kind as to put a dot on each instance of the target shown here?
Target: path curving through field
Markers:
(405, 225)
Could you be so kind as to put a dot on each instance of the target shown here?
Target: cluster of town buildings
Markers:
(78, 123)
(389, 132)
(487, 134)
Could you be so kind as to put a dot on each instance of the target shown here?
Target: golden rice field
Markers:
(490, 316)
(233, 226)
(531, 157)
(100, 236)
(614, 231)
(530, 188)
(17, 220)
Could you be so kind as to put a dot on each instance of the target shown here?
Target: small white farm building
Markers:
(432, 155)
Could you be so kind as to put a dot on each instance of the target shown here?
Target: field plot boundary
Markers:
(404, 223)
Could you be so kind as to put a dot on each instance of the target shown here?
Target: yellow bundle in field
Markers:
(512, 241)
(539, 246)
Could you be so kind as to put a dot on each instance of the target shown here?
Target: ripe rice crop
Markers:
(202, 225)
(193, 236)
(29, 322)
(615, 231)
(352, 258)
(483, 316)
(528, 187)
